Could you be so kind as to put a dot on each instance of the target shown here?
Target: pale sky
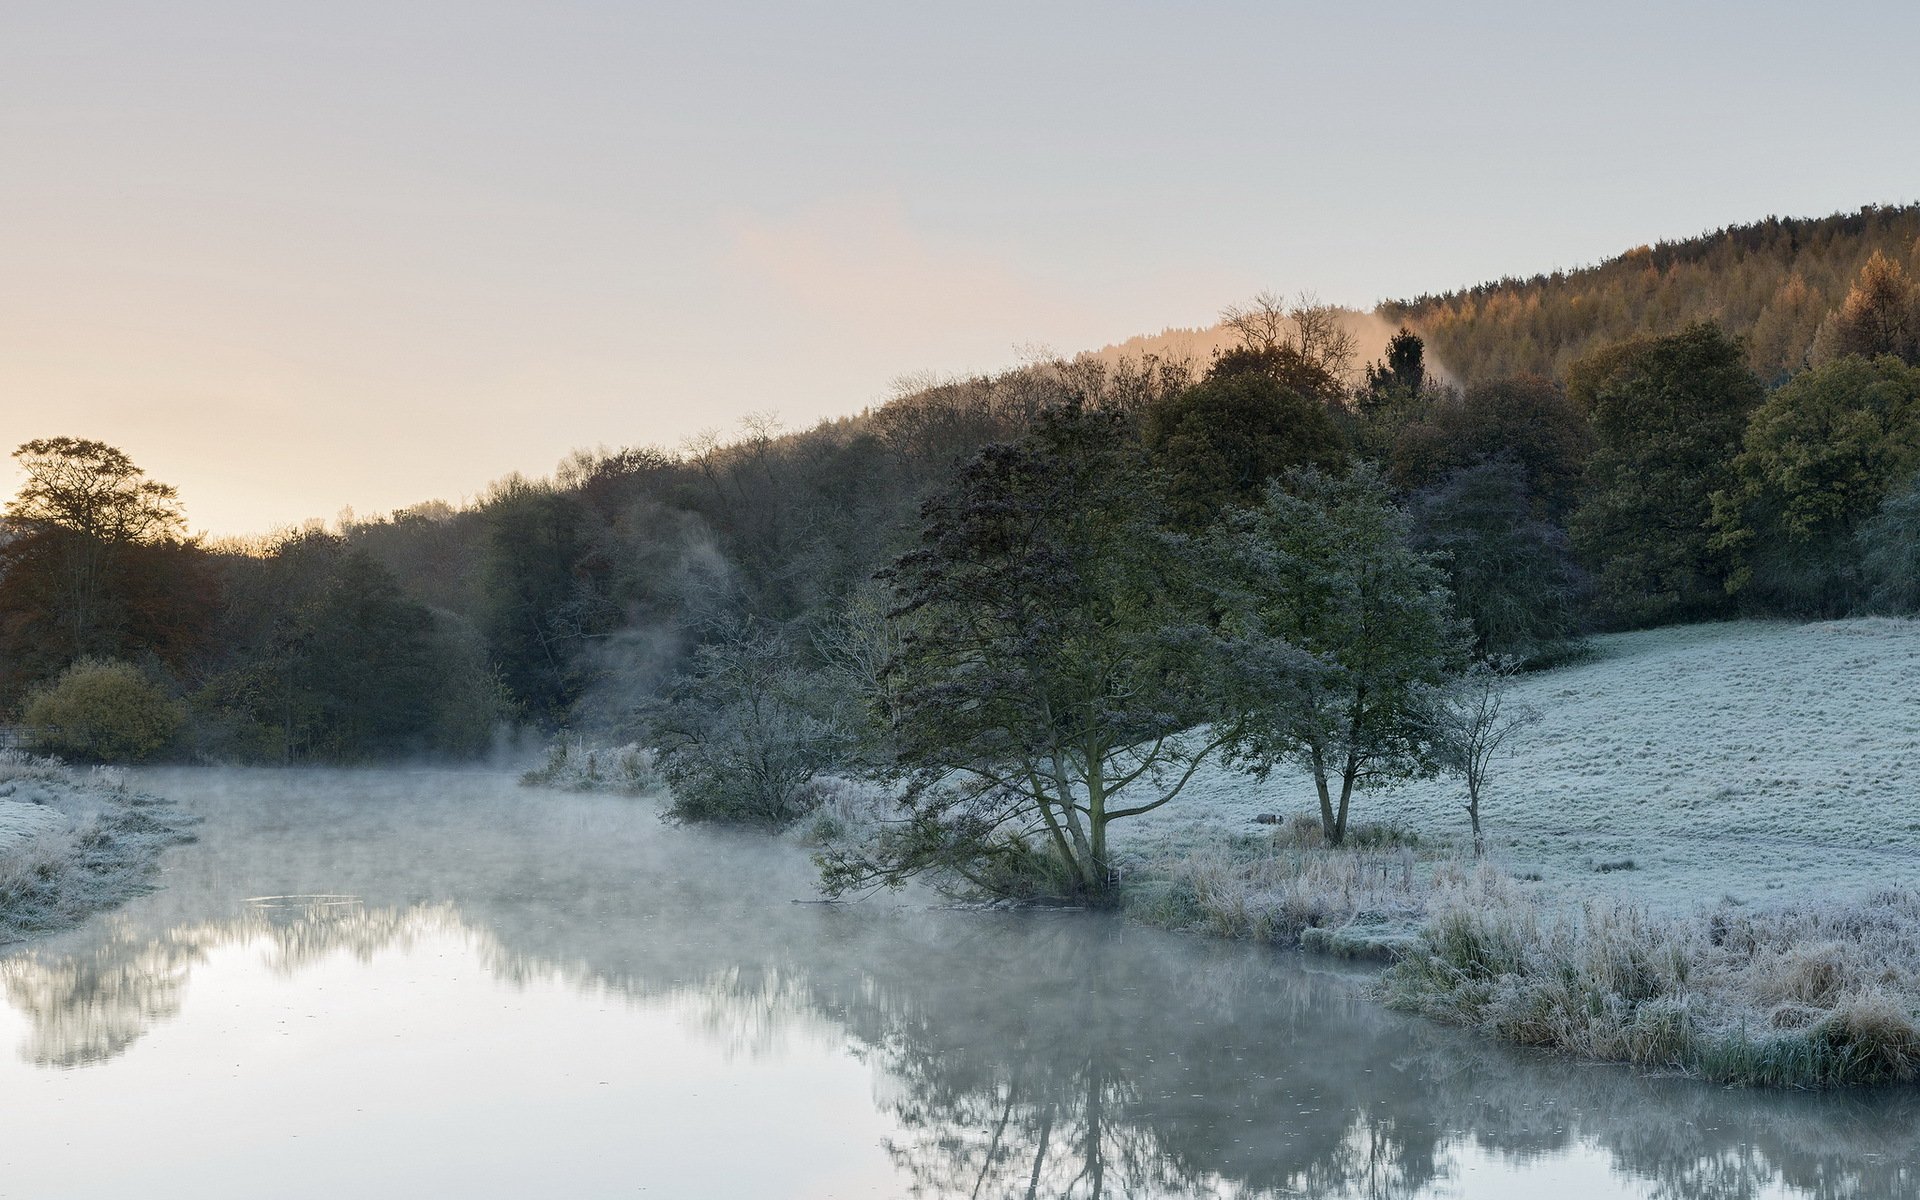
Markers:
(298, 256)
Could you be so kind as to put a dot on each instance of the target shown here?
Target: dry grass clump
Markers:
(1808, 995)
(575, 766)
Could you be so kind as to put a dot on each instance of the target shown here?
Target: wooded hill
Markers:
(1771, 282)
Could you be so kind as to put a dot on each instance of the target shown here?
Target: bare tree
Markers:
(1321, 338)
(1477, 721)
(1305, 328)
(1261, 323)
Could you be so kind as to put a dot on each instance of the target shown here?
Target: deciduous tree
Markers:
(1323, 566)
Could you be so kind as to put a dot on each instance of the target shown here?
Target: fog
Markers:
(351, 969)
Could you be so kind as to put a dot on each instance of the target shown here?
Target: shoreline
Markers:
(75, 842)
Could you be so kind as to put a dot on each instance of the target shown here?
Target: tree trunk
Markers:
(1328, 828)
(1348, 775)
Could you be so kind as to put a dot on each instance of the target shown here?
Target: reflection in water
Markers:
(87, 1006)
(1016, 1056)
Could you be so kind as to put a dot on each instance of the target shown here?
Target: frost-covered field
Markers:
(72, 842)
(1752, 760)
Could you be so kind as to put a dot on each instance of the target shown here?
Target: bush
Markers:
(103, 712)
(747, 732)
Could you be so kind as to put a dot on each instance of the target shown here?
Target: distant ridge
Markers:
(1771, 282)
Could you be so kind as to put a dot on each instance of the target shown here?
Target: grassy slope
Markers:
(1753, 760)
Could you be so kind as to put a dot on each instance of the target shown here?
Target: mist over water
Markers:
(442, 984)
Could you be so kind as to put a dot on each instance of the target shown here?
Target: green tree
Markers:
(538, 607)
(1819, 457)
(1511, 574)
(1889, 549)
(1050, 677)
(1528, 420)
(1400, 374)
(1323, 566)
(1668, 416)
(330, 661)
(1218, 442)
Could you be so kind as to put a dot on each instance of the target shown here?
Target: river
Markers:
(441, 984)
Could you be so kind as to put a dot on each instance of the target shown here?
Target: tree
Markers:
(92, 489)
(1511, 574)
(1881, 315)
(743, 734)
(1218, 442)
(102, 711)
(1668, 417)
(327, 660)
(1306, 330)
(1889, 549)
(1477, 723)
(1401, 373)
(537, 610)
(1528, 420)
(1323, 566)
(1050, 670)
(1818, 459)
(92, 565)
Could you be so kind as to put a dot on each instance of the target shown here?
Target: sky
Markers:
(296, 257)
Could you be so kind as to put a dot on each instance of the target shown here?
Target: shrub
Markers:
(746, 733)
(102, 711)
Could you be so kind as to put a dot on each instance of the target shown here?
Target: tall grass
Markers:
(576, 766)
(1810, 995)
(1290, 890)
(1806, 995)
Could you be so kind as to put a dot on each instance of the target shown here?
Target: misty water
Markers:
(442, 984)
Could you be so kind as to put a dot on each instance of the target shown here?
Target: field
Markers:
(1756, 761)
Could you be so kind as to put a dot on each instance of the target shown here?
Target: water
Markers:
(437, 984)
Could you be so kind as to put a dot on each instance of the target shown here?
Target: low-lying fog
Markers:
(444, 984)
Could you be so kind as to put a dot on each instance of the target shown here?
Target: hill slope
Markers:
(1752, 759)
(1771, 281)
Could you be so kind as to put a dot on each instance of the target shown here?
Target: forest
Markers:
(1033, 602)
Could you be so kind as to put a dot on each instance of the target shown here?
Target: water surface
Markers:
(430, 984)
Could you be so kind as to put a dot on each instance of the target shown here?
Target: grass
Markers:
(1807, 995)
(1362, 901)
(1803, 995)
(575, 766)
(1767, 760)
(73, 843)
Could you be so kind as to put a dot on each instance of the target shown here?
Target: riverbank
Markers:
(74, 842)
(1703, 862)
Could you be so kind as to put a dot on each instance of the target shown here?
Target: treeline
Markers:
(1053, 582)
(1772, 283)
(548, 604)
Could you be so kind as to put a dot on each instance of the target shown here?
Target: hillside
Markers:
(1772, 282)
(1756, 760)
